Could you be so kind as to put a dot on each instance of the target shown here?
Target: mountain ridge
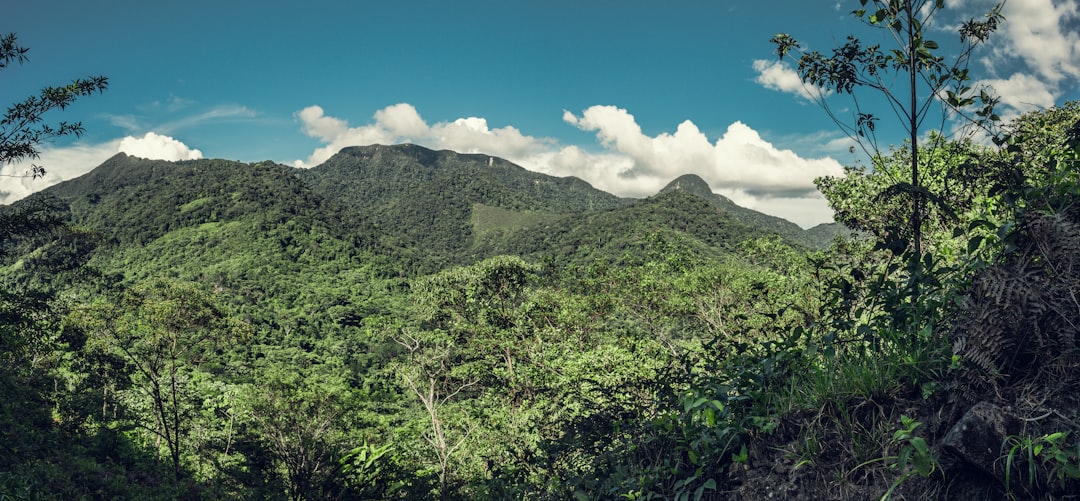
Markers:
(424, 207)
(817, 237)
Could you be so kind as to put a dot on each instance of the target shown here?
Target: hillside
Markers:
(422, 200)
(609, 235)
(137, 200)
(271, 234)
(418, 209)
(446, 205)
(817, 237)
(565, 338)
(252, 231)
(376, 177)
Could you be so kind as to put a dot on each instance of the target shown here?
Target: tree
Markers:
(21, 129)
(299, 420)
(929, 80)
(429, 375)
(479, 306)
(164, 330)
(29, 331)
(959, 178)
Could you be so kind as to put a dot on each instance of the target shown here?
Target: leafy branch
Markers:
(930, 79)
(21, 127)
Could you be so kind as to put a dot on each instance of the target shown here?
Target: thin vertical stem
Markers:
(913, 72)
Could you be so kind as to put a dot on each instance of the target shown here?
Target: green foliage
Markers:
(914, 456)
(1042, 464)
(487, 222)
(883, 297)
(164, 331)
(959, 180)
(1041, 155)
(651, 349)
(914, 61)
(297, 420)
(365, 470)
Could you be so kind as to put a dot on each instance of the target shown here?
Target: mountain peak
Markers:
(692, 184)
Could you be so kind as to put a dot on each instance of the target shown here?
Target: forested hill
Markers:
(613, 235)
(255, 230)
(816, 237)
(419, 210)
(401, 323)
(382, 178)
(137, 200)
(474, 204)
(423, 200)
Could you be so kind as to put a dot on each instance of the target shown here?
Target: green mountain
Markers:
(254, 231)
(430, 202)
(135, 201)
(402, 209)
(815, 238)
(446, 207)
(611, 234)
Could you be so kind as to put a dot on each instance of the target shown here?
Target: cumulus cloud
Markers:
(740, 159)
(1022, 92)
(1039, 46)
(158, 147)
(740, 164)
(779, 76)
(1032, 60)
(401, 123)
(1043, 34)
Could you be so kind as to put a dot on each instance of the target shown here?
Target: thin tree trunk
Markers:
(175, 407)
(913, 115)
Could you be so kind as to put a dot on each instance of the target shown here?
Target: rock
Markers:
(977, 437)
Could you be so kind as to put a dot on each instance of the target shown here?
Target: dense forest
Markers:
(402, 323)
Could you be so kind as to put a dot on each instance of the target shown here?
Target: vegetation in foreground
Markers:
(218, 330)
(257, 356)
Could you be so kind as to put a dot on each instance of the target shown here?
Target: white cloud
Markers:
(739, 164)
(740, 159)
(1022, 92)
(401, 120)
(1043, 34)
(1032, 60)
(1038, 45)
(805, 211)
(401, 123)
(631, 163)
(777, 75)
(157, 147)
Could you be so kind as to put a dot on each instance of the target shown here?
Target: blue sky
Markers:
(624, 94)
